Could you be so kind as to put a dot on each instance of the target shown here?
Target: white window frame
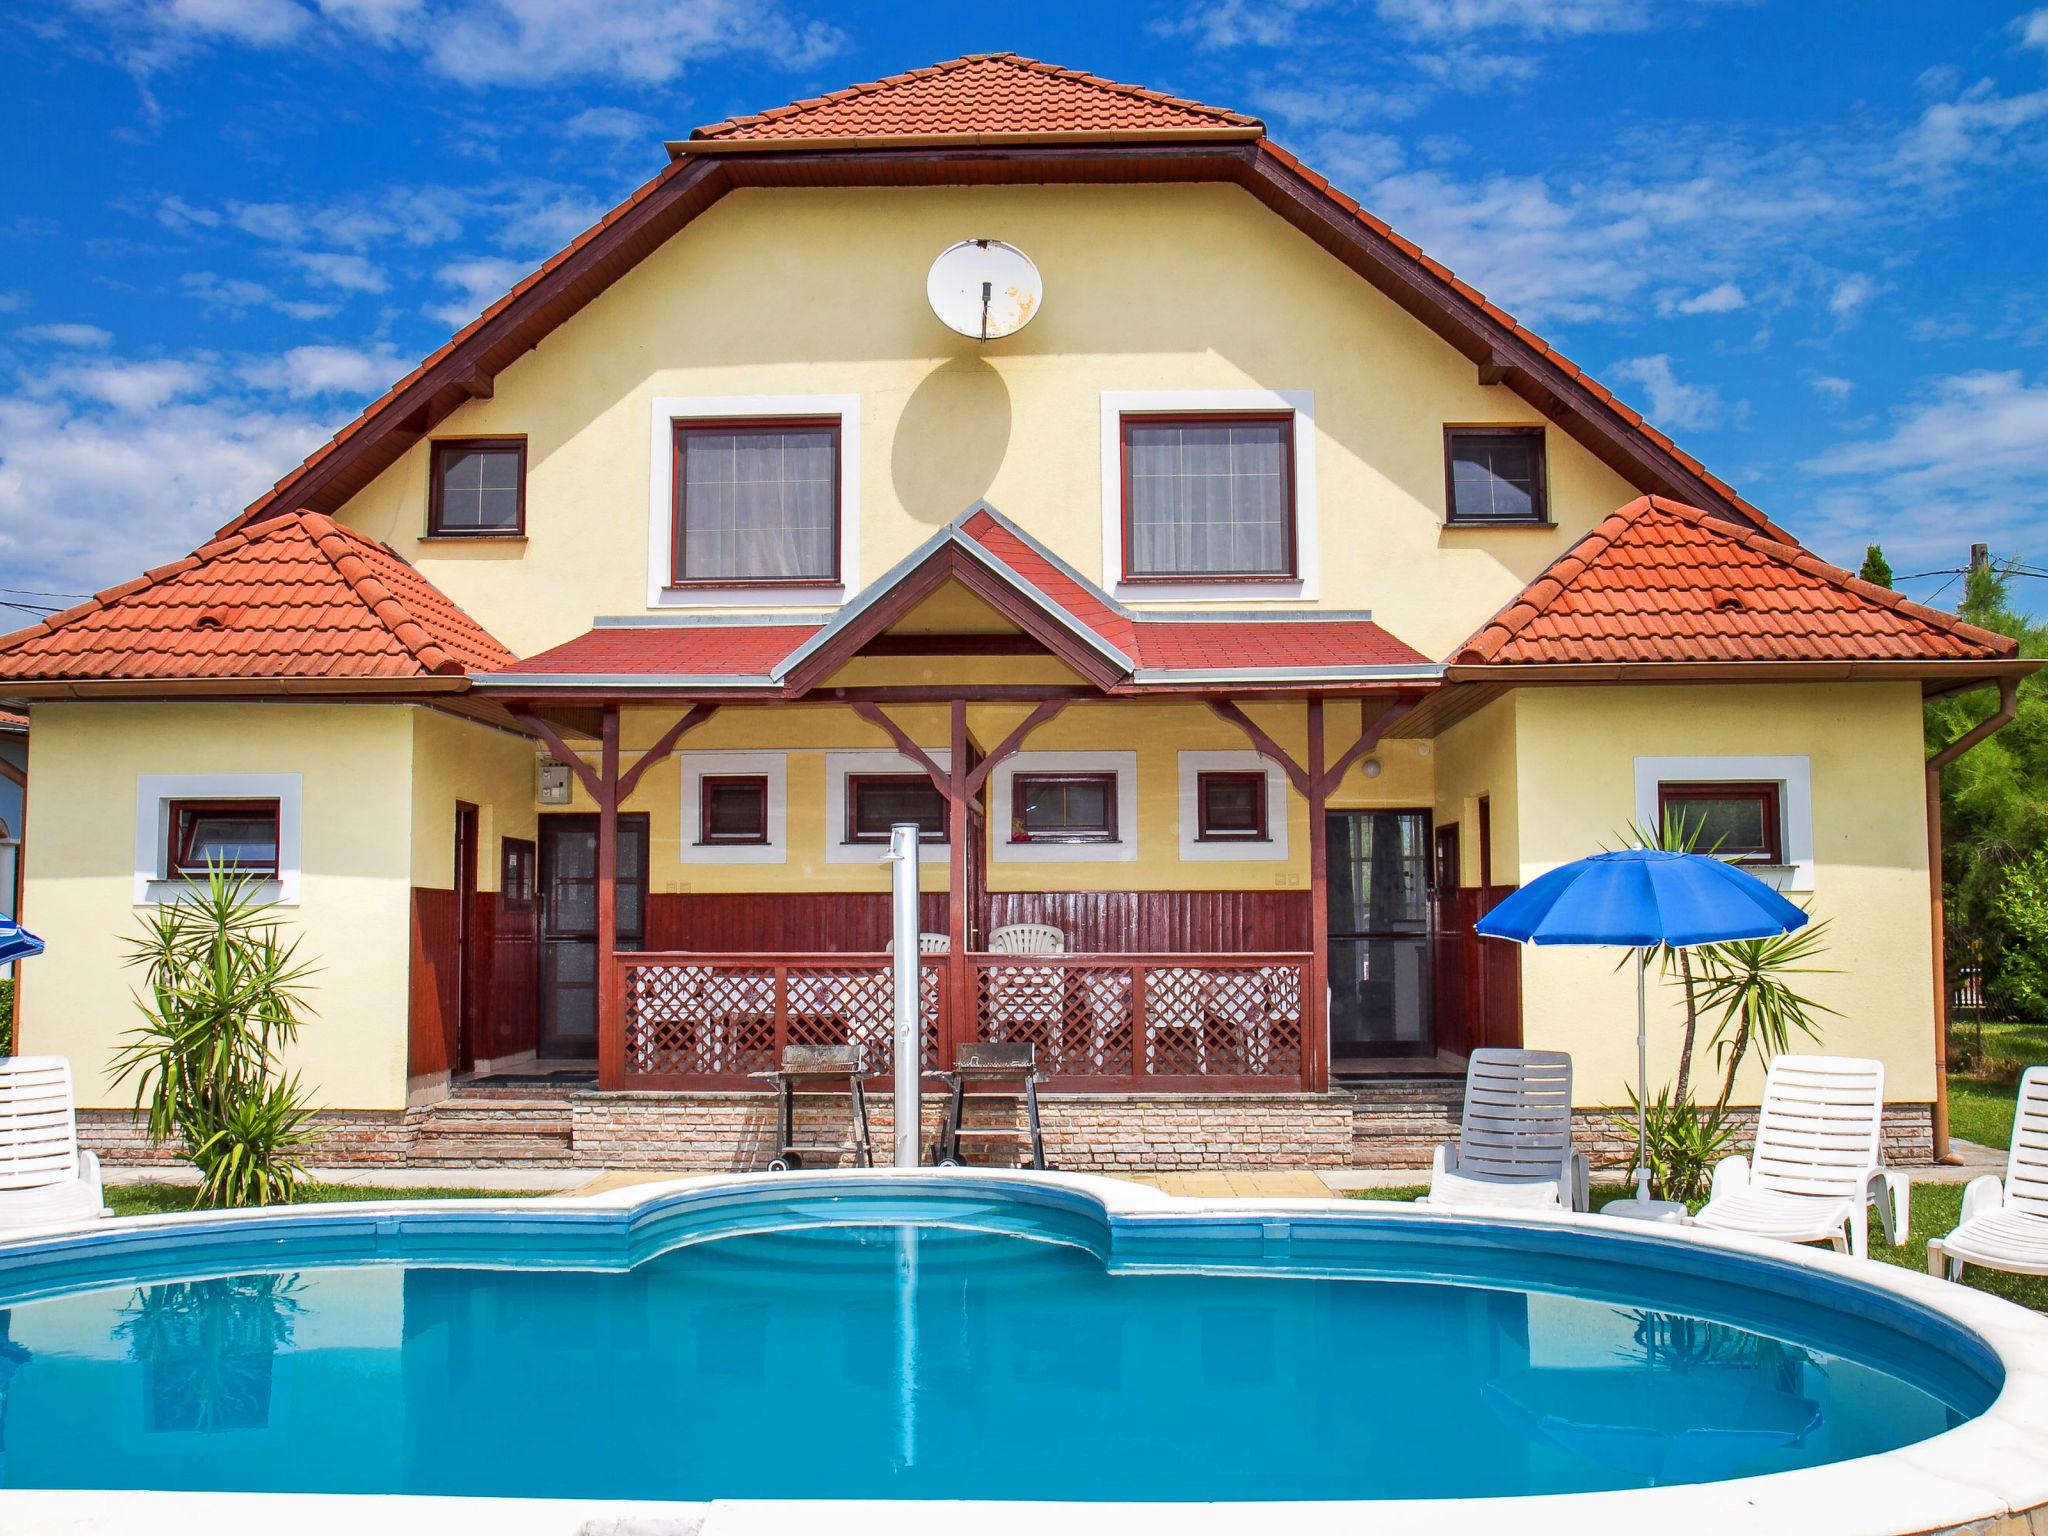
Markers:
(154, 793)
(772, 766)
(1119, 403)
(839, 766)
(1193, 848)
(1792, 775)
(1123, 850)
(666, 412)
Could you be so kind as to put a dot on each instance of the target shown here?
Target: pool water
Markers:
(906, 1360)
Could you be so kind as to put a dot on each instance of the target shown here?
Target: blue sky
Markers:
(1805, 238)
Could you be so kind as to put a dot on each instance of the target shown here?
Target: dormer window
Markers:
(1494, 477)
(1208, 497)
(756, 503)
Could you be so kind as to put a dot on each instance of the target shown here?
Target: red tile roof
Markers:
(680, 650)
(1658, 581)
(981, 96)
(1260, 642)
(10, 721)
(298, 596)
(1080, 598)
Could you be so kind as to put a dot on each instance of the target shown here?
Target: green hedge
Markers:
(7, 1017)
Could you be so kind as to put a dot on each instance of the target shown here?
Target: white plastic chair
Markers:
(1514, 1145)
(2005, 1221)
(1027, 939)
(1817, 1167)
(927, 944)
(44, 1178)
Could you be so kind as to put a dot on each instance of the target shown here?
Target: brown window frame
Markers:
(855, 782)
(1539, 485)
(706, 838)
(1680, 791)
(518, 874)
(442, 446)
(679, 429)
(179, 816)
(1130, 419)
(1206, 833)
(1107, 833)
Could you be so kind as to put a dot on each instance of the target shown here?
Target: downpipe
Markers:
(903, 927)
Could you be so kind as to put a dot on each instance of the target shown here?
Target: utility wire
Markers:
(32, 592)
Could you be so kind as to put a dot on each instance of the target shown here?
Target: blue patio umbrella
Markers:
(1641, 899)
(16, 942)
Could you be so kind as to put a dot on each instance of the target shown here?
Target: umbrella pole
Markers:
(1642, 1077)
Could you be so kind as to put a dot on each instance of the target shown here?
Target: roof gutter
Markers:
(1990, 725)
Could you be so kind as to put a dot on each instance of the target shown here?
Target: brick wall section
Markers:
(1392, 1125)
(1398, 1123)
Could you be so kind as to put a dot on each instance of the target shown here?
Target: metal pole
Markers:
(1642, 1077)
(903, 838)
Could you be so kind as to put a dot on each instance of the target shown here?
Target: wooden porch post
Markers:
(1315, 1045)
(611, 1040)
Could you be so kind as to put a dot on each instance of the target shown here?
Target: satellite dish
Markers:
(984, 289)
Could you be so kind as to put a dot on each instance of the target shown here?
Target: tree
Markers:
(1876, 569)
(1994, 800)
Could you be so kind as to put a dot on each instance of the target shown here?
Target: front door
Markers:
(1379, 935)
(568, 925)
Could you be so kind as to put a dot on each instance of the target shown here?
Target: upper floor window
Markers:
(477, 488)
(877, 801)
(1494, 475)
(756, 503)
(1728, 820)
(1208, 496)
(239, 836)
(1063, 808)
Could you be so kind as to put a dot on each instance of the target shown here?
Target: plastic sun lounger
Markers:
(1514, 1145)
(44, 1178)
(2005, 1221)
(1816, 1168)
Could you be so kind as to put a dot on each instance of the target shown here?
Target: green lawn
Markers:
(1936, 1210)
(1980, 1101)
(150, 1199)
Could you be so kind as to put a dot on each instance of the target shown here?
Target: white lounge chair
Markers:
(2005, 1221)
(1816, 1168)
(1514, 1145)
(44, 1178)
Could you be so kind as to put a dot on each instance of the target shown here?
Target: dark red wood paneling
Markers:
(509, 982)
(1478, 997)
(1095, 922)
(434, 996)
(1501, 964)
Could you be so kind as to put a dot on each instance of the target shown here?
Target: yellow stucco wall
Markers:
(1147, 288)
(1575, 750)
(354, 763)
(458, 760)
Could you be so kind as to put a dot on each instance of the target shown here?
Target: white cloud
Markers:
(1535, 18)
(1980, 125)
(1467, 67)
(336, 269)
(1850, 295)
(382, 21)
(1963, 461)
(66, 334)
(1936, 328)
(259, 23)
(237, 295)
(1672, 405)
(609, 123)
(311, 371)
(127, 385)
(1721, 299)
(1831, 387)
(2032, 29)
(479, 283)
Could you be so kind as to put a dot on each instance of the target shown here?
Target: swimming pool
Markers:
(935, 1337)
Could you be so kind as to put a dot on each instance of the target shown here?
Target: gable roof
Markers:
(298, 596)
(985, 98)
(1117, 650)
(1658, 581)
(995, 138)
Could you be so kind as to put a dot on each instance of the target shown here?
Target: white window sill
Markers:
(1237, 591)
(165, 893)
(810, 596)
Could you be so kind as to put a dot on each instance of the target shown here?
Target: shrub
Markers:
(2018, 986)
(7, 1016)
(1684, 1142)
(222, 995)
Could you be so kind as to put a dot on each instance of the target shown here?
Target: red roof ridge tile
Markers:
(1566, 574)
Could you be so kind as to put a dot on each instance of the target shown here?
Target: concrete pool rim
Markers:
(1983, 1475)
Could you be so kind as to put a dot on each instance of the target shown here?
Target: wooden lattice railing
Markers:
(1101, 1022)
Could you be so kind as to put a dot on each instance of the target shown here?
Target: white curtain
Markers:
(1209, 499)
(759, 506)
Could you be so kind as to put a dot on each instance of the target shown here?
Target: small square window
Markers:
(478, 488)
(1495, 475)
(238, 836)
(877, 801)
(1063, 808)
(1230, 807)
(733, 808)
(1729, 821)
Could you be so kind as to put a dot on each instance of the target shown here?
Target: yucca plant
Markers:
(1683, 1143)
(222, 995)
(1747, 980)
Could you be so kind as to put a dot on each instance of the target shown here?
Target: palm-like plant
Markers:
(222, 995)
(1748, 981)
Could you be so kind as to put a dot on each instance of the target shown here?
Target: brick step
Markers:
(431, 1151)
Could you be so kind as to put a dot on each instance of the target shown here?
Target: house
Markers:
(13, 799)
(1254, 616)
